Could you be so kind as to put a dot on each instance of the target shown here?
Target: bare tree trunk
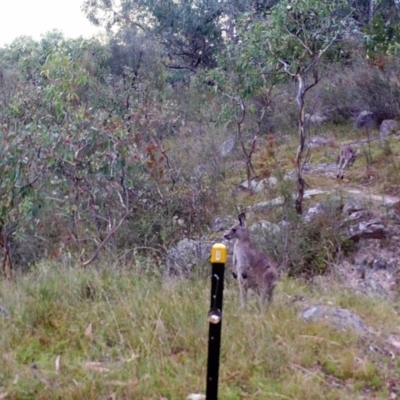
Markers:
(300, 150)
(302, 158)
(371, 11)
(247, 153)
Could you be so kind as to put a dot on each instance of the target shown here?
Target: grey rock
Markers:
(257, 185)
(371, 288)
(264, 226)
(315, 119)
(392, 214)
(383, 199)
(388, 127)
(4, 312)
(280, 200)
(372, 229)
(186, 255)
(366, 119)
(353, 205)
(284, 225)
(357, 215)
(313, 212)
(341, 318)
(227, 147)
(253, 186)
(379, 263)
(220, 224)
(318, 141)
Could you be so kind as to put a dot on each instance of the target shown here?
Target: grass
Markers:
(121, 334)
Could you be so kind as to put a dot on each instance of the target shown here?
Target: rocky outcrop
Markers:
(388, 127)
(372, 269)
(371, 229)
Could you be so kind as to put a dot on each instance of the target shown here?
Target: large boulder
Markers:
(341, 318)
(315, 119)
(388, 127)
(367, 120)
(353, 205)
(319, 141)
(314, 212)
(186, 255)
(263, 226)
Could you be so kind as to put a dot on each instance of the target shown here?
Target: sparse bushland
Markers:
(108, 159)
(100, 160)
(124, 333)
(361, 85)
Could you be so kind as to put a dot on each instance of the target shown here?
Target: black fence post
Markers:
(218, 260)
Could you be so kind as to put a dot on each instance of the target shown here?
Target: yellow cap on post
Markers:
(218, 253)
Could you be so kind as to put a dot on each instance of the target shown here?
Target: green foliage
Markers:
(382, 36)
(300, 32)
(94, 139)
(21, 177)
(66, 79)
(192, 33)
(188, 30)
(319, 246)
(322, 242)
(379, 22)
(97, 133)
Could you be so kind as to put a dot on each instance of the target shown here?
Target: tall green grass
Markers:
(123, 334)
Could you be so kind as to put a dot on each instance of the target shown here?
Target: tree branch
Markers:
(106, 239)
(176, 66)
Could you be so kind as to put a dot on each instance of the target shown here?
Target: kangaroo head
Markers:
(238, 231)
(348, 153)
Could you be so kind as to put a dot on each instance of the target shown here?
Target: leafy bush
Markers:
(364, 85)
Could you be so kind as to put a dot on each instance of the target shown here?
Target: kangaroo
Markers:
(346, 159)
(252, 268)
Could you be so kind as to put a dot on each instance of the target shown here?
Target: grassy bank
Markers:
(119, 334)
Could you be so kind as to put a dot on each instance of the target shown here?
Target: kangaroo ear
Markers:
(242, 219)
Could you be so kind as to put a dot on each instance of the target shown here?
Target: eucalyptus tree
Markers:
(365, 10)
(192, 32)
(295, 40)
(380, 23)
(188, 29)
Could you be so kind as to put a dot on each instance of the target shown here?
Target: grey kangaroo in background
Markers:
(346, 159)
(253, 269)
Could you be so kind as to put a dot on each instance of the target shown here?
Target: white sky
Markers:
(36, 17)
